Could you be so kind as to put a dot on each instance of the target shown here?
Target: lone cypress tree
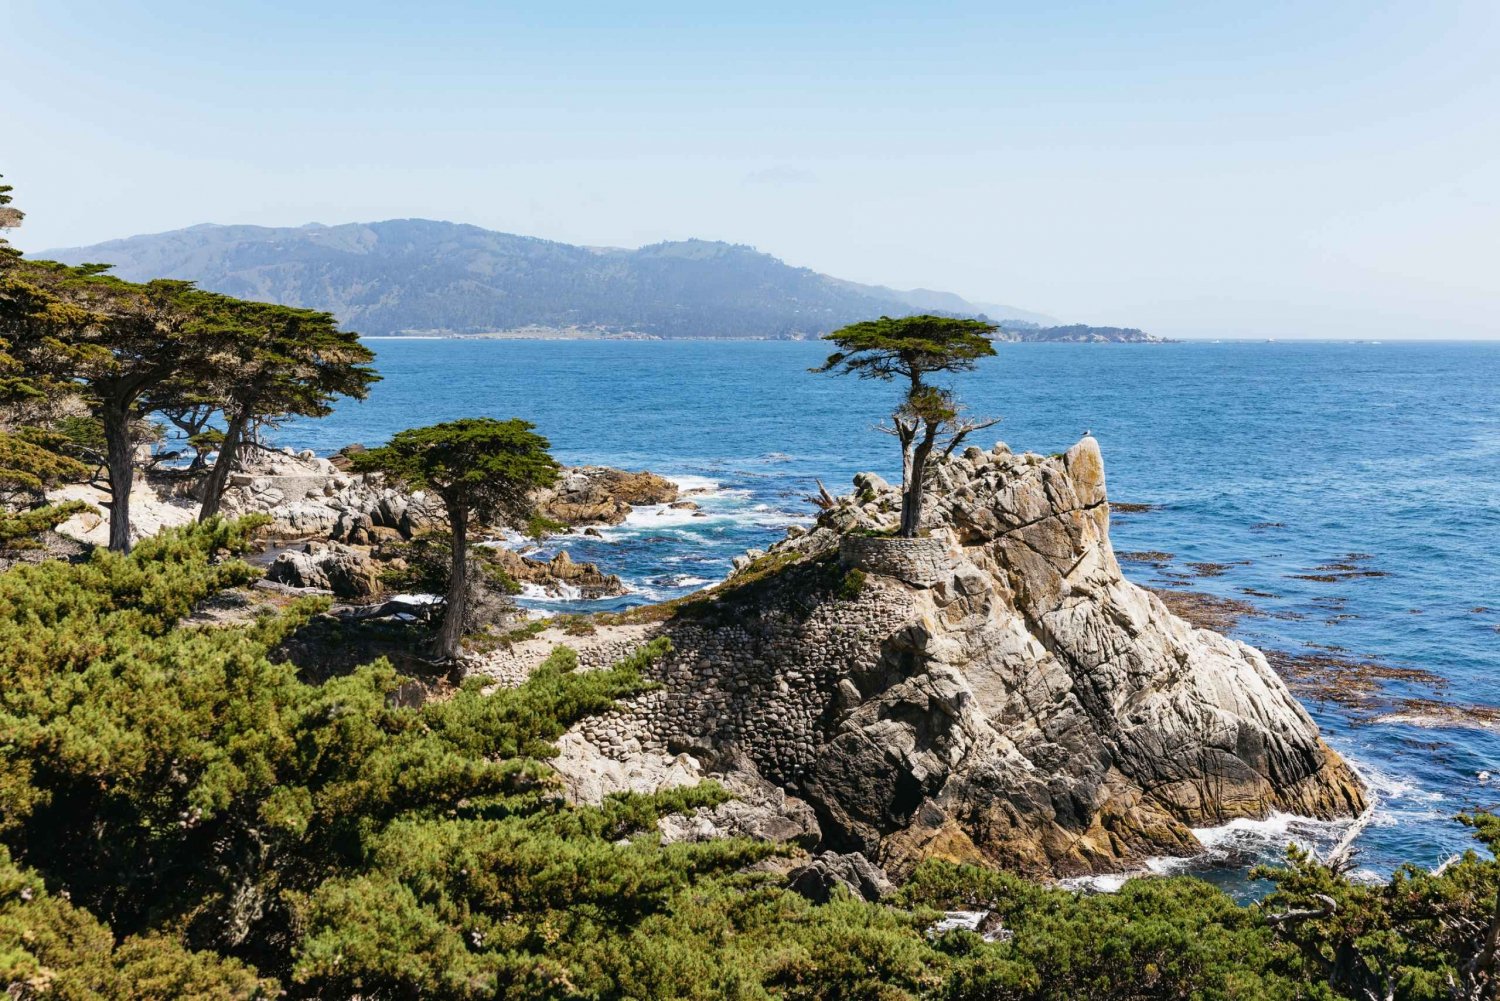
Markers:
(914, 348)
(484, 469)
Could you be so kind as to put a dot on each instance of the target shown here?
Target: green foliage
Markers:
(182, 815)
(10, 218)
(28, 467)
(478, 465)
(910, 347)
(1420, 936)
(77, 436)
(853, 584)
(50, 948)
(19, 531)
(1155, 938)
(539, 526)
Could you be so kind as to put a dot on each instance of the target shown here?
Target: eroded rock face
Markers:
(1028, 707)
(592, 495)
(560, 576)
(1044, 712)
(346, 572)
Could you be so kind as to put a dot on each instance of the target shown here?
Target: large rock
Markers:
(1017, 703)
(310, 497)
(559, 577)
(585, 495)
(346, 572)
(828, 872)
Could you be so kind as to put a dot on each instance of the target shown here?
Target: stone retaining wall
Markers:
(922, 562)
(769, 686)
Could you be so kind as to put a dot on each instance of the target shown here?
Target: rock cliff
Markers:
(995, 691)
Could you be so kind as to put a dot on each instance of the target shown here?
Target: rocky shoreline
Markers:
(346, 523)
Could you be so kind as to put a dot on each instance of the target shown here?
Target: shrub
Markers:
(853, 584)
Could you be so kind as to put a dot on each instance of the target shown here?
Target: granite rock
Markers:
(1021, 705)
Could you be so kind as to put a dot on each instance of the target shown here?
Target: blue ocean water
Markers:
(1275, 459)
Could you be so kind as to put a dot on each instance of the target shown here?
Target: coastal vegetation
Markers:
(185, 816)
(198, 807)
(113, 354)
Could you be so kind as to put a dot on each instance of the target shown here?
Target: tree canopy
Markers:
(915, 348)
(909, 347)
(269, 362)
(482, 468)
(123, 350)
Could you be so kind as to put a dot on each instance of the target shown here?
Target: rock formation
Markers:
(995, 691)
(313, 498)
(592, 495)
(344, 571)
(560, 576)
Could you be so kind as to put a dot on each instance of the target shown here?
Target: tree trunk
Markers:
(911, 497)
(213, 490)
(120, 465)
(450, 637)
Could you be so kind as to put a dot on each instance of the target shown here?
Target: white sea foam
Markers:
(556, 592)
(702, 485)
(1109, 882)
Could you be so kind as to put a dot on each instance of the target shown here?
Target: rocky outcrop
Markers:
(827, 872)
(559, 576)
(1024, 706)
(593, 495)
(310, 497)
(344, 571)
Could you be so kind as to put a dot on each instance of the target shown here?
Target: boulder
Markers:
(828, 871)
(601, 495)
(346, 572)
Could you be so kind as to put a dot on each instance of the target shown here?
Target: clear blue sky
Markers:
(1317, 169)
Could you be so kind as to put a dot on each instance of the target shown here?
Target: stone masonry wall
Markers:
(917, 561)
(768, 686)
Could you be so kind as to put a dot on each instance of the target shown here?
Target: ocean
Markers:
(1347, 493)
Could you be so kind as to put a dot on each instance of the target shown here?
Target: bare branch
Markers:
(822, 499)
(1329, 908)
(962, 429)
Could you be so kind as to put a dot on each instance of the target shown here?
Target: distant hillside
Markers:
(414, 276)
(1074, 333)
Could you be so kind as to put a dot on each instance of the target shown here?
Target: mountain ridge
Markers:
(428, 277)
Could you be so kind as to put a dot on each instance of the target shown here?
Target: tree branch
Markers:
(962, 429)
(822, 499)
(1296, 915)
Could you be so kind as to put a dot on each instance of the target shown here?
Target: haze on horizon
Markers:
(1197, 170)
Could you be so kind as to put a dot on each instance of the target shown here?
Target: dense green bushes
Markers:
(182, 815)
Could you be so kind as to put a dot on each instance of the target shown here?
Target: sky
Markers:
(1309, 169)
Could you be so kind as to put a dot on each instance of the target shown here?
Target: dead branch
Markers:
(1330, 907)
(962, 429)
(823, 500)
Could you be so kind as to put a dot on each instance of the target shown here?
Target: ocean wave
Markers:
(1239, 844)
(679, 581)
(687, 482)
(556, 592)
